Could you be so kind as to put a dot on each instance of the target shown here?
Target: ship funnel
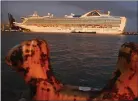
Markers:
(11, 20)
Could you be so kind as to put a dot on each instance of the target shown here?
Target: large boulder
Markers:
(31, 59)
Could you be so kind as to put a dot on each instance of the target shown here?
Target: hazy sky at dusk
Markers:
(18, 9)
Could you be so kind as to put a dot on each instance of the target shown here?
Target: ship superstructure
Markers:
(93, 21)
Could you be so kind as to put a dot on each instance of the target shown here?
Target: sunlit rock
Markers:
(31, 59)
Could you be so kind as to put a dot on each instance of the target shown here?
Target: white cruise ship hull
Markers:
(59, 30)
(71, 30)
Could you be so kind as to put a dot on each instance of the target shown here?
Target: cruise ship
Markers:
(94, 21)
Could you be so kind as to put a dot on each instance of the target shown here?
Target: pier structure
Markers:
(130, 33)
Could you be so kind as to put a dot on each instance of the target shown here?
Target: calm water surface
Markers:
(77, 59)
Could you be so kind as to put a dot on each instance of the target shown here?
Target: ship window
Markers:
(93, 14)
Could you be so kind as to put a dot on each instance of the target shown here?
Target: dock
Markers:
(130, 33)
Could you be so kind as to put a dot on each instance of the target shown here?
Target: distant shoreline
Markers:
(125, 33)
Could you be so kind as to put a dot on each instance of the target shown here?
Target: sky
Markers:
(18, 9)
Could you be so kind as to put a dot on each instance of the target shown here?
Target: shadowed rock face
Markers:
(124, 83)
(31, 60)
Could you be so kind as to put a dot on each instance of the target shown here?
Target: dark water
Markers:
(77, 59)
